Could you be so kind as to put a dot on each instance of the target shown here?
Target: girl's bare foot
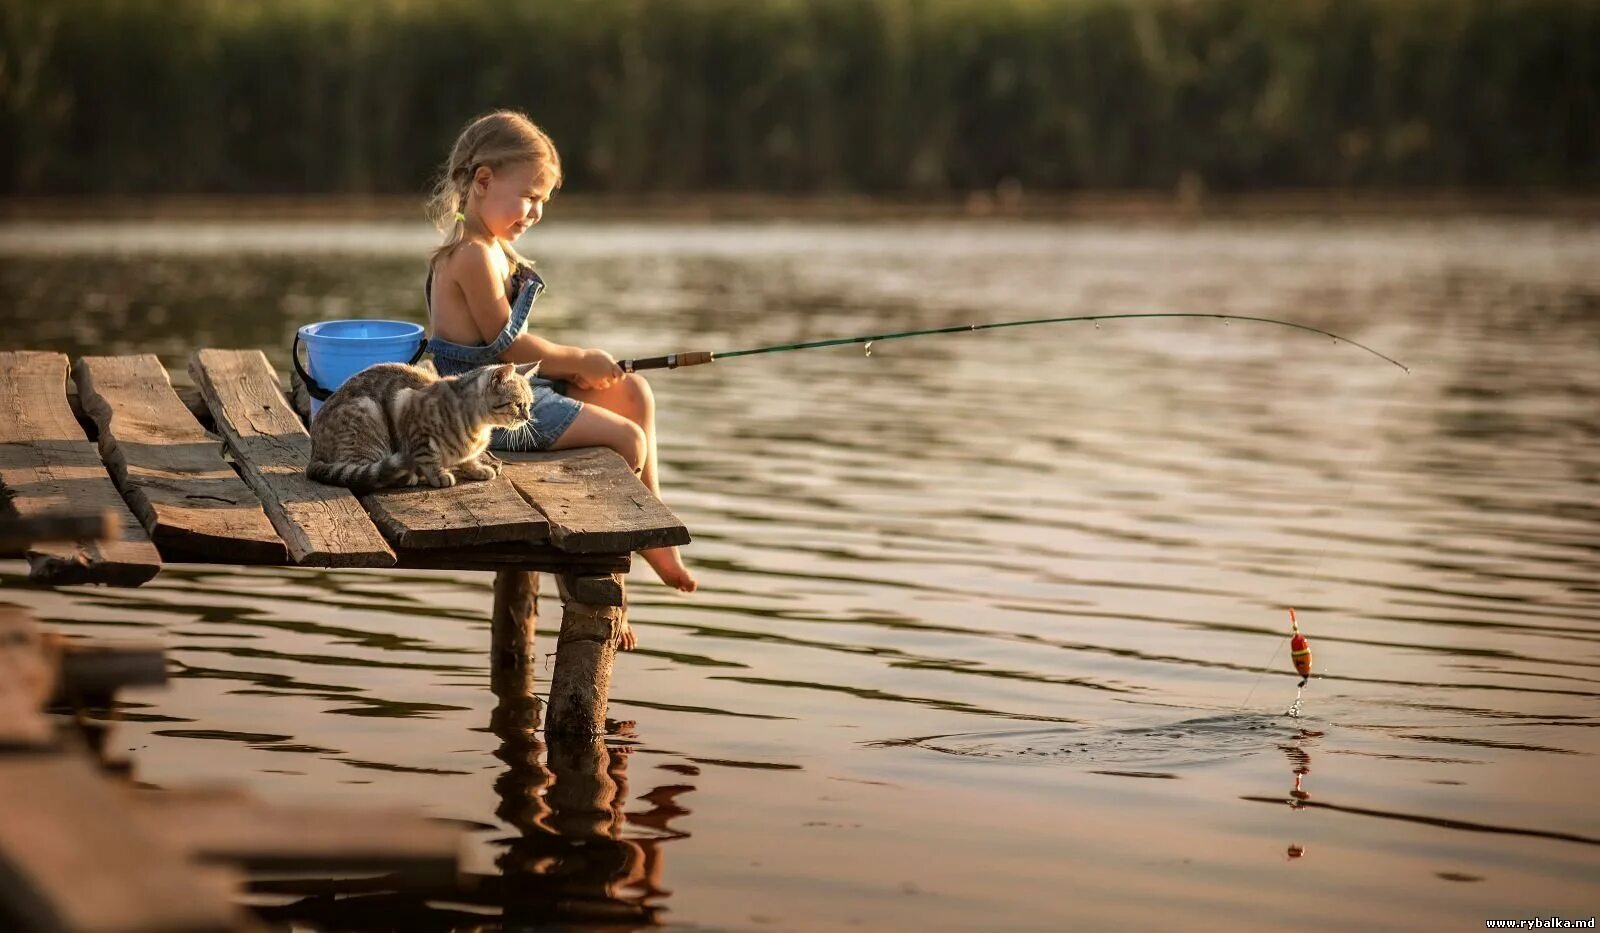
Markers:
(668, 565)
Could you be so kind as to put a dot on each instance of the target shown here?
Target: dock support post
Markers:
(592, 622)
(516, 613)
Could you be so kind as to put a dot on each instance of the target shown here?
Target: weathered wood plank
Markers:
(229, 827)
(469, 513)
(170, 471)
(188, 395)
(47, 465)
(27, 675)
(323, 526)
(71, 859)
(93, 668)
(593, 502)
(497, 557)
(17, 533)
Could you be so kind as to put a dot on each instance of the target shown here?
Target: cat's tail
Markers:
(393, 470)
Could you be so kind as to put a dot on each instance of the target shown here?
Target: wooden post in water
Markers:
(593, 619)
(516, 613)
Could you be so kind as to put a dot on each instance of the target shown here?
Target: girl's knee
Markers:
(632, 445)
(638, 395)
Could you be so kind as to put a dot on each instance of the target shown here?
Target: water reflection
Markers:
(572, 861)
(1299, 766)
(577, 857)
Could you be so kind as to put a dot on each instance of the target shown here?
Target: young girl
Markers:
(501, 171)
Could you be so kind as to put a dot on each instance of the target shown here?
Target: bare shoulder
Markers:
(466, 290)
(473, 263)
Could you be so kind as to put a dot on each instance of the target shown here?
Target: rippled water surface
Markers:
(993, 628)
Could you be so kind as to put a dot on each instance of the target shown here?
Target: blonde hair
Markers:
(494, 139)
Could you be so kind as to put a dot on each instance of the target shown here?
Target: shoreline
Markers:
(1006, 205)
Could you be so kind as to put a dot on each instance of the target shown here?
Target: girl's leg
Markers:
(623, 417)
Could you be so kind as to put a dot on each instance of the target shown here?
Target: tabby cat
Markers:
(398, 425)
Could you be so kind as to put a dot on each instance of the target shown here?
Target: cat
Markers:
(398, 425)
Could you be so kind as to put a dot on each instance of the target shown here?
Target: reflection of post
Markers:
(592, 623)
(571, 861)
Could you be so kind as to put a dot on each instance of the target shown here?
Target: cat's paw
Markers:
(478, 471)
(443, 479)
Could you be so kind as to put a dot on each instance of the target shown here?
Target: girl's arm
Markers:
(490, 310)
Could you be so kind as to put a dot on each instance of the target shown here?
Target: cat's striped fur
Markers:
(399, 425)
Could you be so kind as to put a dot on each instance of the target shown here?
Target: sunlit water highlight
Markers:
(991, 634)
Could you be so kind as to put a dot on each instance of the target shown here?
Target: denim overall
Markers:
(553, 411)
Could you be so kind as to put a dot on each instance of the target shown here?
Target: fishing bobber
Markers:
(1299, 651)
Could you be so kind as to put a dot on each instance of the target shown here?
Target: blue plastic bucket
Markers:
(337, 350)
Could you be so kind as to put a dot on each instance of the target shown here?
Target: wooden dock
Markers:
(219, 478)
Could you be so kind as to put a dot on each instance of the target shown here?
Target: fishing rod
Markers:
(697, 357)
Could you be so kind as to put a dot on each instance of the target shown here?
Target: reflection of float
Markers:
(1300, 762)
(1299, 766)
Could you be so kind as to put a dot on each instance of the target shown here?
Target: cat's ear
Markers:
(529, 369)
(504, 372)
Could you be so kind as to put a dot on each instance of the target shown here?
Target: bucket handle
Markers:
(318, 392)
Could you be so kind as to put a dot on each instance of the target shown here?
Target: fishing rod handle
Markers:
(670, 361)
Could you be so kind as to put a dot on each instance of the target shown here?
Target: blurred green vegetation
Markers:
(874, 96)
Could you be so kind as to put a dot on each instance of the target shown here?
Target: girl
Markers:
(501, 171)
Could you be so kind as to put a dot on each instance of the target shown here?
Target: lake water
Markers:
(993, 627)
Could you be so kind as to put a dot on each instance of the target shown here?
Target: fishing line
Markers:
(1356, 475)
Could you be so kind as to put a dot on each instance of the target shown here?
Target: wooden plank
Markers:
(228, 827)
(188, 395)
(498, 557)
(324, 526)
(72, 859)
(469, 513)
(169, 470)
(17, 533)
(27, 675)
(94, 668)
(593, 502)
(48, 466)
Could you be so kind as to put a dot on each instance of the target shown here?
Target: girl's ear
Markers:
(481, 176)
